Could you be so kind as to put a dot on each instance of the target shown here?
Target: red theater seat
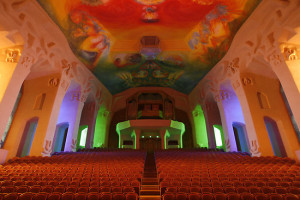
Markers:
(233, 196)
(220, 196)
(169, 196)
(195, 196)
(26, 196)
(208, 196)
(131, 196)
(68, 196)
(181, 196)
(54, 196)
(40, 196)
(106, 196)
(11, 196)
(119, 196)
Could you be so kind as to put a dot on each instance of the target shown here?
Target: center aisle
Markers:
(150, 184)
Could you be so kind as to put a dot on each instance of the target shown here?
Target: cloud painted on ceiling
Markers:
(187, 38)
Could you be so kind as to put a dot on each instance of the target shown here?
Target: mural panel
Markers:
(192, 36)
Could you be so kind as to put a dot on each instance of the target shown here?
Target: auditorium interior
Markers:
(149, 99)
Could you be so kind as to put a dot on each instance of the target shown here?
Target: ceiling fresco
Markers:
(133, 43)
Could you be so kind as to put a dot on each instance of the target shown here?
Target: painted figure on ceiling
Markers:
(150, 14)
(96, 42)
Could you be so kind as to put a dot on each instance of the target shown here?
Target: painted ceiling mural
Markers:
(133, 43)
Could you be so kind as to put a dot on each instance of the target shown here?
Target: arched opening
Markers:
(262, 89)
(219, 137)
(234, 118)
(213, 121)
(60, 137)
(240, 137)
(88, 118)
(66, 121)
(200, 127)
(113, 138)
(82, 135)
(275, 137)
(27, 137)
(187, 137)
(101, 127)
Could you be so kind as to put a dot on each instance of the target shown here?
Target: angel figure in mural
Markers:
(96, 41)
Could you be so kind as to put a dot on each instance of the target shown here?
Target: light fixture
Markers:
(157, 136)
(143, 136)
(150, 136)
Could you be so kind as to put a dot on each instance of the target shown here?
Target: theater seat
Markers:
(40, 196)
(131, 196)
(68, 196)
(80, 196)
(195, 196)
(92, 196)
(11, 196)
(168, 196)
(27, 196)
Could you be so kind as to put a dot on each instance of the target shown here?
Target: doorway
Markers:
(240, 137)
(27, 137)
(60, 137)
(275, 138)
(150, 144)
(219, 137)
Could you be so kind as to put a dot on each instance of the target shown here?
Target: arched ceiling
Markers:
(133, 43)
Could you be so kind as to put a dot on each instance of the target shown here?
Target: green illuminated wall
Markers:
(222, 136)
(200, 127)
(79, 135)
(100, 127)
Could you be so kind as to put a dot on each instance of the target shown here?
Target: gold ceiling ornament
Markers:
(150, 2)
(94, 2)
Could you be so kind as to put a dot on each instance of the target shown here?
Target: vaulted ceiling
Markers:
(133, 43)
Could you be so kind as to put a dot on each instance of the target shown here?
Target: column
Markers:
(63, 87)
(137, 138)
(163, 138)
(91, 129)
(287, 71)
(71, 141)
(251, 131)
(209, 128)
(229, 138)
(11, 93)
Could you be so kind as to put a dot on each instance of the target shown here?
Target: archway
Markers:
(88, 118)
(219, 137)
(200, 127)
(235, 130)
(60, 137)
(212, 116)
(187, 137)
(100, 136)
(82, 135)
(239, 130)
(27, 137)
(113, 138)
(275, 138)
(66, 121)
(264, 95)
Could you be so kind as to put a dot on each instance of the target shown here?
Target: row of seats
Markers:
(68, 196)
(215, 173)
(82, 183)
(229, 196)
(252, 190)
(94, 175)
(62, 189)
